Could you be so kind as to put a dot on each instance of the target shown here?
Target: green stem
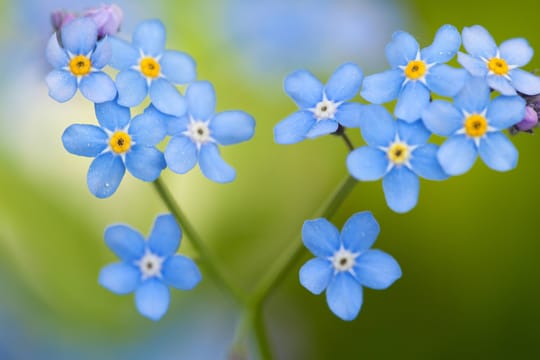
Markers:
(209, 261)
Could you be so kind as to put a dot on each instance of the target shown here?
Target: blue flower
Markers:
(473, 124)
(322, 108)
(416, 72)
(78, 62)
(196, 136)
(499, 65)
(344, 262)
(117, 143)
(147, 68)
(148, 267)
(398, 153)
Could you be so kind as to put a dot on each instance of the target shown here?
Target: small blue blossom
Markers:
(473, 124)
(415, 73)
(322, 108)
(398, 153)
(345, 263)
(118, 143)
(147, 68)
(78, 62)
(148, 267)
(499, 65)
(196, 136)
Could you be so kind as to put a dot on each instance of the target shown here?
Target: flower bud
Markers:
(60, 18)
(108, 19)
(530, 120)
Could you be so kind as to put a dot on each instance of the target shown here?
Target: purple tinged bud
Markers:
(108, 19)
(530, 120)
(60, 18)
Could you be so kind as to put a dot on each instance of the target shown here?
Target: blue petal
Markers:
(56, 55)
(377, 126)
(112, 116)
(344, 83)
(315, 275)
(152, 299)
(105, 174)
(79, 36)
(132, 88)
(412, 101)
(498, 152)
(367, 163)
(516, 52)
(98, 87)
(414, 133)
(127, 243)
(85, 140)
(445, 80)
(62, 85)
(442, 118)
(505, 111)
(101, 56)
(501, 84)
(323, 127)
(425, 164)
(181, 154)
(402, 49)
(457, 155)
(474, 97)
(201, 99)
(360, 232)
(166, 98)
(525, 82)
(474, 66)
(120, 278)
(376, 269)
(213, 166)
(124, 55)
(383, 87)
(174, 125)
(147, 129)
(232, 127)
(349, 114)
(181, 272)
(304, 88)
(178, 67)
(445, 45)
(150, 37)
(478, 42)
(294, 128)
(401, 187)
(344, 296)
(145, 163)
(321, 237)
(165, 236)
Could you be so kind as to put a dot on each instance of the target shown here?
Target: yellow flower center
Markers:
(498, 66)
(415, 69)
(398, 153)
(120, 142)
(80, 65)
(150, 67)
(475, 125)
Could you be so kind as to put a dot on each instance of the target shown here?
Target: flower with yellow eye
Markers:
(500, 66)
(416, 73)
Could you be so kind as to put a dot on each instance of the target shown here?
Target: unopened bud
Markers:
(108, 19)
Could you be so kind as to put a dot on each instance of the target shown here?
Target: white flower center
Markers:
(199, 132)
(150, 265)
(343, 260)
(325, 109)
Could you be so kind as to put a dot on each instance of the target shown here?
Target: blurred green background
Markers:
(469, 251)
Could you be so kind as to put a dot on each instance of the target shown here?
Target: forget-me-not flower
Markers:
(118, 143)
(148, 267)
(499, 65)
(416, 73)
(473, 124)
(322, 107)
(345, 263)
(398, 153)
(147, 68)
(78, 62)
(196, 136)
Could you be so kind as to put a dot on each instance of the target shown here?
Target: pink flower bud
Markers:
(108, 19)
(60, 18)
(530, 120)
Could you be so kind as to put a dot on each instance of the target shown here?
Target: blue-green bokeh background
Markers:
(469, 251)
